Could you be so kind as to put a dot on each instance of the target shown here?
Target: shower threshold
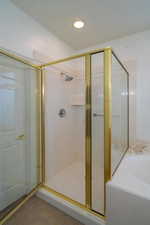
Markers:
(76, 211)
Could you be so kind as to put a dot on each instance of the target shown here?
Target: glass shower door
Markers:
(12, 151)
(120, 114)
(65, 129)
(97, 89)
(18, 132)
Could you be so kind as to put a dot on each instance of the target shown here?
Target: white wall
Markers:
(134, 52)
(23, 35)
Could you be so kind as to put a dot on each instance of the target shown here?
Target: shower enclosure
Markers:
(77, 110)
(86, 125)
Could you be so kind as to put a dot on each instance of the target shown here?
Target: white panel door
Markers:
(12, 125)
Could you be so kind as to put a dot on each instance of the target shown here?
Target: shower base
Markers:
(70, 182)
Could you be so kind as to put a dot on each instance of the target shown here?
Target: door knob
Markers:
(20, 137)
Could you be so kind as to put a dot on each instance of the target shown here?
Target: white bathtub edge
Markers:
(68, 208)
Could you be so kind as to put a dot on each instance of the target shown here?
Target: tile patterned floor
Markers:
(39, 212)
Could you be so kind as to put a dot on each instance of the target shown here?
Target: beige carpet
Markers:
(9, 208)
(39, 212)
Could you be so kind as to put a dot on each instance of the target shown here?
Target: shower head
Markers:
(66, 76)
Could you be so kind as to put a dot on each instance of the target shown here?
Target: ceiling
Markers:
(104, 19)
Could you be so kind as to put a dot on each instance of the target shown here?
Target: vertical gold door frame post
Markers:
(107, 116)
(43, 124)
(128, 105)
(39, 140)
(88, 141)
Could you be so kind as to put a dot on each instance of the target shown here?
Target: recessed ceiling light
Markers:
(78, 24)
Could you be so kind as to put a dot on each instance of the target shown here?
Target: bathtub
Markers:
(128, 193)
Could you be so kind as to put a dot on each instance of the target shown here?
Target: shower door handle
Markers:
(20, 137)
(98, 114)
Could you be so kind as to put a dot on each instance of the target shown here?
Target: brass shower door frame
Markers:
(107, 52)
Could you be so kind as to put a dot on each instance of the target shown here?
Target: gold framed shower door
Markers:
(88, 136)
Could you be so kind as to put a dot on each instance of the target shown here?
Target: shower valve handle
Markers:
(62, 113)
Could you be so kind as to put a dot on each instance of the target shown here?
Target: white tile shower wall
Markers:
(56, 128)
(134, 51)
(64, 136)
(23, 35)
